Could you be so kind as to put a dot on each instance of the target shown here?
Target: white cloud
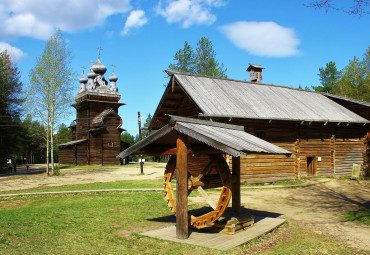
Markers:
(266, 39)
(189, 12)
(136, 19)
(39, 18)
(15, 53)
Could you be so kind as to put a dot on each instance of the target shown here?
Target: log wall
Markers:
(111, 144)
(66, 155)
(333, 148)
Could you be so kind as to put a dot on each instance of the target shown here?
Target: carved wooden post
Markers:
(182, 188)
(236, 184)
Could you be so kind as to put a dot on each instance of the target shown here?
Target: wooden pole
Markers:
(140, 137)
(235, 188)
(182, 222)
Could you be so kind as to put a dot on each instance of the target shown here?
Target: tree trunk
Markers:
(52, 139)
(47, 141)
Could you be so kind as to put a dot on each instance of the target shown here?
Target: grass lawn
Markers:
(107, 223)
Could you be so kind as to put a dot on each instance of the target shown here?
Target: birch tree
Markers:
(51, 87)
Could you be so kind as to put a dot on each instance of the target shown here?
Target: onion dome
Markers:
(113, 77)
(91, 75)
(98, 68)
(83, 79)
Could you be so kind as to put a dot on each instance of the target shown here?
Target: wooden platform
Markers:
(220, 241)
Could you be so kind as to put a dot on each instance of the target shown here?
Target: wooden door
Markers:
(311, 166)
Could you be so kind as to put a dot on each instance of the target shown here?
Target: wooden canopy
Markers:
(203, 137)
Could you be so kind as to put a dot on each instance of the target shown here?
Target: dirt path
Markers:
(315, 207)
(37, 176)
(319, 207)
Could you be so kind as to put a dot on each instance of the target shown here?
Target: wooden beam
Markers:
(182, 222)
(235, 188)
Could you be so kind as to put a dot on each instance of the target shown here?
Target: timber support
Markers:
(236, 201)
(182, 221)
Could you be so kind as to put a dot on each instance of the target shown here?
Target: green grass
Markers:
(125, 184)
(290, 182)
(108, 223)
(362, 216)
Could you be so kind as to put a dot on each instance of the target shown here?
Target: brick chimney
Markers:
(255, 72)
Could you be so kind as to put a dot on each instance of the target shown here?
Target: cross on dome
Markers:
(99, 49)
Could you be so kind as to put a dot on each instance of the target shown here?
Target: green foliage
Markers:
(203, 61)
(51, 87)
(185, 60)
(127, 138)
(10, 108)
(33, 137)
(329, 77)
(352, 81)
(362, 216)
(144, 132)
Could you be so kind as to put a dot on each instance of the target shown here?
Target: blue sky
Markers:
(140, 38)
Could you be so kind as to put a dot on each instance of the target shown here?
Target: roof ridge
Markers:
(171, 73)
(174, 119)
(347, 99)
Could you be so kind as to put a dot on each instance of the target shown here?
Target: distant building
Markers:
(96, 131)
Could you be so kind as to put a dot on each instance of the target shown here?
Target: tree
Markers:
(127, 138)
(205, 60)
(10, 107)
(202, 62)
(33, 141)
(329, 77)
(357, 8)
(51, 85)
(185, 60)
(352, 81)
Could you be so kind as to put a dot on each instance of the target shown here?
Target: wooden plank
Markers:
(235, 185)
(182, 223)
(218, 240)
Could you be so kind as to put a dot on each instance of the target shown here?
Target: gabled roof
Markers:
(218, 97)
(229, 139)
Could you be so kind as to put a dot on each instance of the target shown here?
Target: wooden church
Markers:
(96, 131)
(327, 136)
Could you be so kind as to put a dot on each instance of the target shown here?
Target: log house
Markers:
(325, 137)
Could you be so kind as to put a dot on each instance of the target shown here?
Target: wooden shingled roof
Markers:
(203, 136)
(218, 97)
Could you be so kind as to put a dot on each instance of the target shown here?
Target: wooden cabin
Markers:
(326, 138)
(97, 129)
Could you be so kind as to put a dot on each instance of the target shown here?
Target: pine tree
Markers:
(329, 77)
(205, 60)
(10, 107)
(202, 62)
(185, 60)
